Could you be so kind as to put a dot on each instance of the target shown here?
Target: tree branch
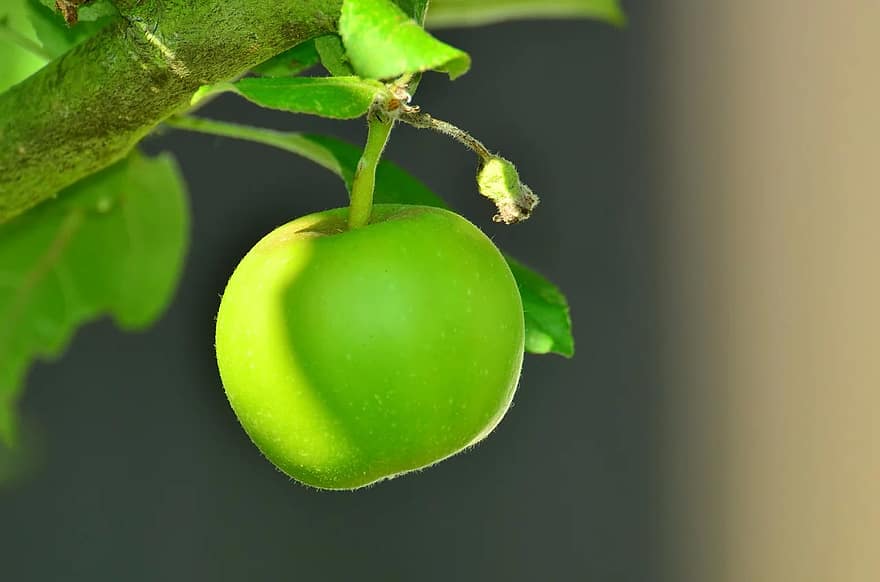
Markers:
(88, 108)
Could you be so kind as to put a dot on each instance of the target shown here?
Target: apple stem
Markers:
(364, 183)
(497, 177)
(416, 118)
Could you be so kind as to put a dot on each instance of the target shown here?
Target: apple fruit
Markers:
(351, 356)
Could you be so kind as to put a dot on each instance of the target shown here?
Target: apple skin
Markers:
(352, 356)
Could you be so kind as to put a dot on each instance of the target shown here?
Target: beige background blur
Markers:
(772, 245)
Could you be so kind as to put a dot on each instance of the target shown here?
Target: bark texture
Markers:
(88, 108)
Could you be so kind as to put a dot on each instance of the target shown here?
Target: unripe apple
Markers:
(351, 356)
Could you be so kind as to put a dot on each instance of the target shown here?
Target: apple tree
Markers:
(354, 344)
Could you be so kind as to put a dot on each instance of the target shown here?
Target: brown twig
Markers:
(70, 9)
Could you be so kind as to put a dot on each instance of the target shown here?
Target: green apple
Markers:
(351, 356)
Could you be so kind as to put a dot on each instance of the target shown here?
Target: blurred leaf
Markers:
(291, 62)
(111, 244)
(382, 42)
(548, 324)
(333, 97)
(415, 9)
(18, 463)
(54, 34)
(17, 62)
(445, 13)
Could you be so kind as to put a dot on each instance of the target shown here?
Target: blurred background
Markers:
(710, 196)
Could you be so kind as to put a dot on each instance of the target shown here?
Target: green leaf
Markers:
(291, 62)
(446, 13)
(111, 244)
(19, 462)
(548, 324)
(382, 42)
(333, 55)
(415, 9)
(394, 185)
(332, 51)
(16, 35)
(333, 97)
(57, 38)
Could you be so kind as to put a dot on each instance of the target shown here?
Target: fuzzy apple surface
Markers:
(351, 356)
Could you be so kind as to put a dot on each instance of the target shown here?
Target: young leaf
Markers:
(548, 326)
(382, 42)
(333, 56)
(58, 38)
(20, 53)
(111, 244)
(444, 13)
(291, 62)
(333, 97)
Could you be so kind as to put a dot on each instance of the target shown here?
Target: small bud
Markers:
(70, 10)
(499, 181)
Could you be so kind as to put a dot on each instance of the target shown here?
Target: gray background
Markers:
(145, 474)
